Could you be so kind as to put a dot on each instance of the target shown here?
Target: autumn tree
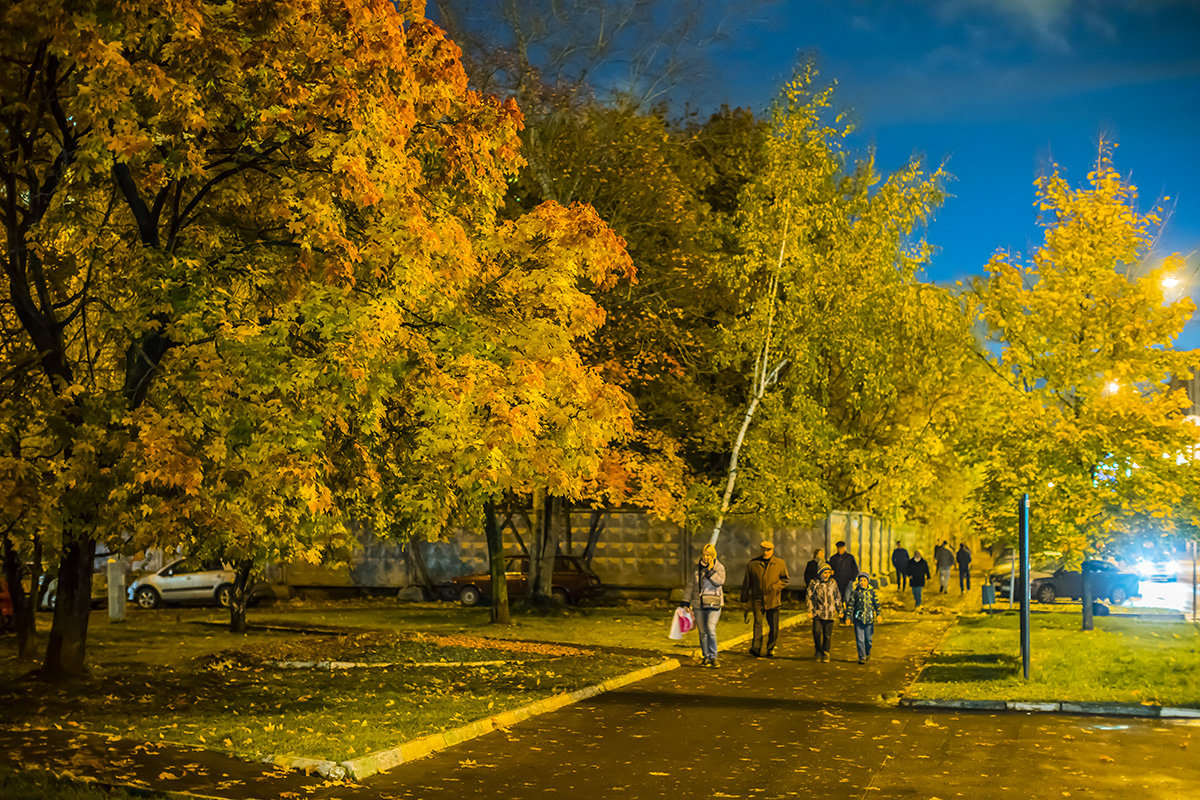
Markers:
(240, 240)
(1083, 418)
(868, 408)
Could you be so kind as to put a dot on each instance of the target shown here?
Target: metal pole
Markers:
(1195, 546)
(1023, 529)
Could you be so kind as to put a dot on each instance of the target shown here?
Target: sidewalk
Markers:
(174, 768)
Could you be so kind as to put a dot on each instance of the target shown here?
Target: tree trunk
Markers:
(494, 536)
(237, 602)
(24, 603)
(66, 647)
(545, 548)
(414, 551)
(596, 526)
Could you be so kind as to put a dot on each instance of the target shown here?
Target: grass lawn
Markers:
(1125, 660)
(37, 786)
(639, 625)
(161, 676)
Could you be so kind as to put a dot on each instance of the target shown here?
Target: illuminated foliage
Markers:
(1080, 413)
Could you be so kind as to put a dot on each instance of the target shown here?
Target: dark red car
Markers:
(6, 607)
(572, 581)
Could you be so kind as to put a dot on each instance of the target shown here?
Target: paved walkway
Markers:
(756, 728)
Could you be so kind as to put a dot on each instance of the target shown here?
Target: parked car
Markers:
(1041, 566)
(192, 580)
(1157, 567)
(6, 607)
(99, 584)
(1108, 582)
(571, 582)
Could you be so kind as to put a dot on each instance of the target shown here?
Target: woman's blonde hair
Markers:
(709, 550)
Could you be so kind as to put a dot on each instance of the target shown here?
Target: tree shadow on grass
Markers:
(969, 667)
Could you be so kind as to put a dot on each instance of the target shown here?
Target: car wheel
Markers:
(1117, 595)
(146, 597)
(469, 596)
(224, 595)
(560, 597)
(1046, 594)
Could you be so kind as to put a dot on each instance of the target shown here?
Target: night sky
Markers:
(999, 89)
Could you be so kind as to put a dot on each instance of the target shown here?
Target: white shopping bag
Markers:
(682, 621)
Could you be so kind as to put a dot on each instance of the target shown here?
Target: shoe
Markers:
(825, 656)
(712, 664)
(755, 653)
(862, 661)
(817, 656)
(704, 662)
(769, 654)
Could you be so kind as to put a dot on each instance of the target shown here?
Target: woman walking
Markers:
(918, 573)
(706, 595)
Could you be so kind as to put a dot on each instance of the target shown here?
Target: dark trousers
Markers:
(771, 615)
(901, 579)
(964, 580)
(822, 635)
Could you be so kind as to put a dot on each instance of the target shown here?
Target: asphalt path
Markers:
(793, 727)
(757, 729)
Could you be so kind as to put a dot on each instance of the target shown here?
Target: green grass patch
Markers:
(1124, 660)
(39, 786)
(638, 625)
(161, 676)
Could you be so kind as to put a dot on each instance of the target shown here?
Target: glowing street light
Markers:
(1170, 282)
(1112, 387)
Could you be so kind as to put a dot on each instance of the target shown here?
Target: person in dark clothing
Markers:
(811, 568)
(943, 559)
(845, 568)
(963, 557)
(900, 562)
(762, 592)
(918, 573)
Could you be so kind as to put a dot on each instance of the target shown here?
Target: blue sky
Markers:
(998, 89)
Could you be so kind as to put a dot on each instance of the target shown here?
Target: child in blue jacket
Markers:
(862, 606)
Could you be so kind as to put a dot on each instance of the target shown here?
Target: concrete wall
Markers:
(635, 551)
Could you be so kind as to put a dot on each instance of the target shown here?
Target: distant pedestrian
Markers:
(964, 568)
(900, 562)
(706, 596)
(918, 573)
(863, 609)
(943, 559)
(845, 568)
(810, 569)
(762, 592)
(825, 605)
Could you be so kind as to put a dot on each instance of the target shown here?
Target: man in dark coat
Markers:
(963, 557)
(900, 562)
(845, 568)
(762, 592)
(943, 562)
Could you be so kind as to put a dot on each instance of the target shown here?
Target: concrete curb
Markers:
(383, 760)
(1066, 707)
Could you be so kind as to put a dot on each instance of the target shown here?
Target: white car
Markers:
(191, 580)
(1157, 568)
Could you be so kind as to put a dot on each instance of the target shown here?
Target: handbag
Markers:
(707, 599)
(682, 621)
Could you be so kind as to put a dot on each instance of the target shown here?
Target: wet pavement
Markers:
(755, 728)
